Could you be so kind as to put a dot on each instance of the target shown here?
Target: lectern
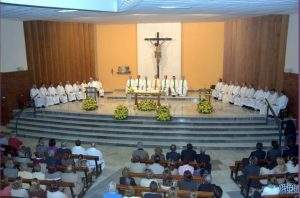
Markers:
(91, 92)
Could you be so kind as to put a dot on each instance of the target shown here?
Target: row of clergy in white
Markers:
(246, 95)
(167, 86)
(47, 96)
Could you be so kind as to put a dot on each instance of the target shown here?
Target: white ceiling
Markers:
(157, 11)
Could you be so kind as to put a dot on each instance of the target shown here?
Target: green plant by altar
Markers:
(146, 105)
(89, 104)
(204, 107)
(121, 112)
(163, 113)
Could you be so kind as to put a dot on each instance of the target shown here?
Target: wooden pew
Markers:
(89, 157)
(180, 193)
(234, 170)
(197, 179)
(245, 189)
(166, 163)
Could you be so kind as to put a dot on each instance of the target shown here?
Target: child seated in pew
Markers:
(153, 191)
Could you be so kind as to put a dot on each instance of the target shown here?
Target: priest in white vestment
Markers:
(281, 103)
(272, 100)
(238, 100)
(84, 86)
(174, 86)
(222, 91)
(261, 101)
(258, 95)
(62, 93)
(129, 84)
(37, 97)
(146, 84)
(182, 87)
(228, 92)
(44, 92)
(250, 91)
(93, 151)
(138, 83)
(53, 93)
(70, 92)
(235, 92)
(215, 92)
(99, 87)
(165, 85)
(155, 84)
(78, 91)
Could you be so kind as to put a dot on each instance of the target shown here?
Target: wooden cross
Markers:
(157, 52)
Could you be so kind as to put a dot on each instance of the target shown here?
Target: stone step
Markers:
(135, 137)
(94, 126)
(147, 144)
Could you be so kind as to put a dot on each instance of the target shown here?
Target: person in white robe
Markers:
(238, 100)
(174, 86)
(182, 87)
(146, 84)
(78, 91)
(61, 93)
(165, 85)
(70, 92)
(258, 95)
(272, 100)
(97, 83)
(129, 84)
(53, 93)
(138, 83)
(250, 91)
(262, 101)
(37, 97)
(84, 86)
(44, 92)
(215, 92)
(228, 93)
(281, 103)
(235, 92)
(223, 90)
(155, 84)
(93, 151)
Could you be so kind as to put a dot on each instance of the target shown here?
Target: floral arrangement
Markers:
(121, 112)
(163, 114)
(130, 90)
(89, 104)
(146, 105)
(205, 107)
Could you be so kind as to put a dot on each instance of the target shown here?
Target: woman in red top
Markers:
(14, 143)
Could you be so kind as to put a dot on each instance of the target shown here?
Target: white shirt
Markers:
(184, 168)
(19, 193)
(95, 152)
(146, 182)
(78, 150)
(156, 168)
(56, 194)
(270, 190)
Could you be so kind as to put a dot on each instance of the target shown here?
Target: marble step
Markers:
(156, 138)
(175, 121)
(94, 126)
(147, 144)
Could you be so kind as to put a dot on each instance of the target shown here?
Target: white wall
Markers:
(170, 63)
(292, 47)
(13, 51)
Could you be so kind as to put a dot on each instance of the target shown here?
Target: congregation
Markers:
(23, 171)
(166, 86)
(246, 96)
(51, 95)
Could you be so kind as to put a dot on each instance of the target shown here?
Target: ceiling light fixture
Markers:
(64, 11)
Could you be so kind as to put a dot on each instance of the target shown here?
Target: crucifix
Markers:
(157, 52)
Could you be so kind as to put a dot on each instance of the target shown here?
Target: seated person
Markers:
(17, 190)
(93, 151)
(189, 153)
(252, 169)
(125, 179)
(158, 152)
(292, 165)
(258, 153)
(173, 168)
(136, 166)
(78, 149)
(289, 186)
(67, 159)
(207, 185)
(187, 182)
(215, 92)
(41, 148)
(273, 153)
(54, 192)
(272, 187)
(167, 179)
(63, 148)
(145, 182)
(173, 155)
(156, 168)
(36, 190)
(140, 152)
(280, 168)
(25, 173)
(202, 157)
(202, 169)
(15, 143)
(280, 104)
(291, 149)
(185, 167)
(153, 191)
(10, 171)
(53, 174)
(112, 191)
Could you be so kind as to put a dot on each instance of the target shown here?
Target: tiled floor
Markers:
(118, 157)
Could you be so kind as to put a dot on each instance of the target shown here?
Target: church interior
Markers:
(149, 98)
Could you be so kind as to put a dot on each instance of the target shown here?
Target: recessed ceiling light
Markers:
(64, 11)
